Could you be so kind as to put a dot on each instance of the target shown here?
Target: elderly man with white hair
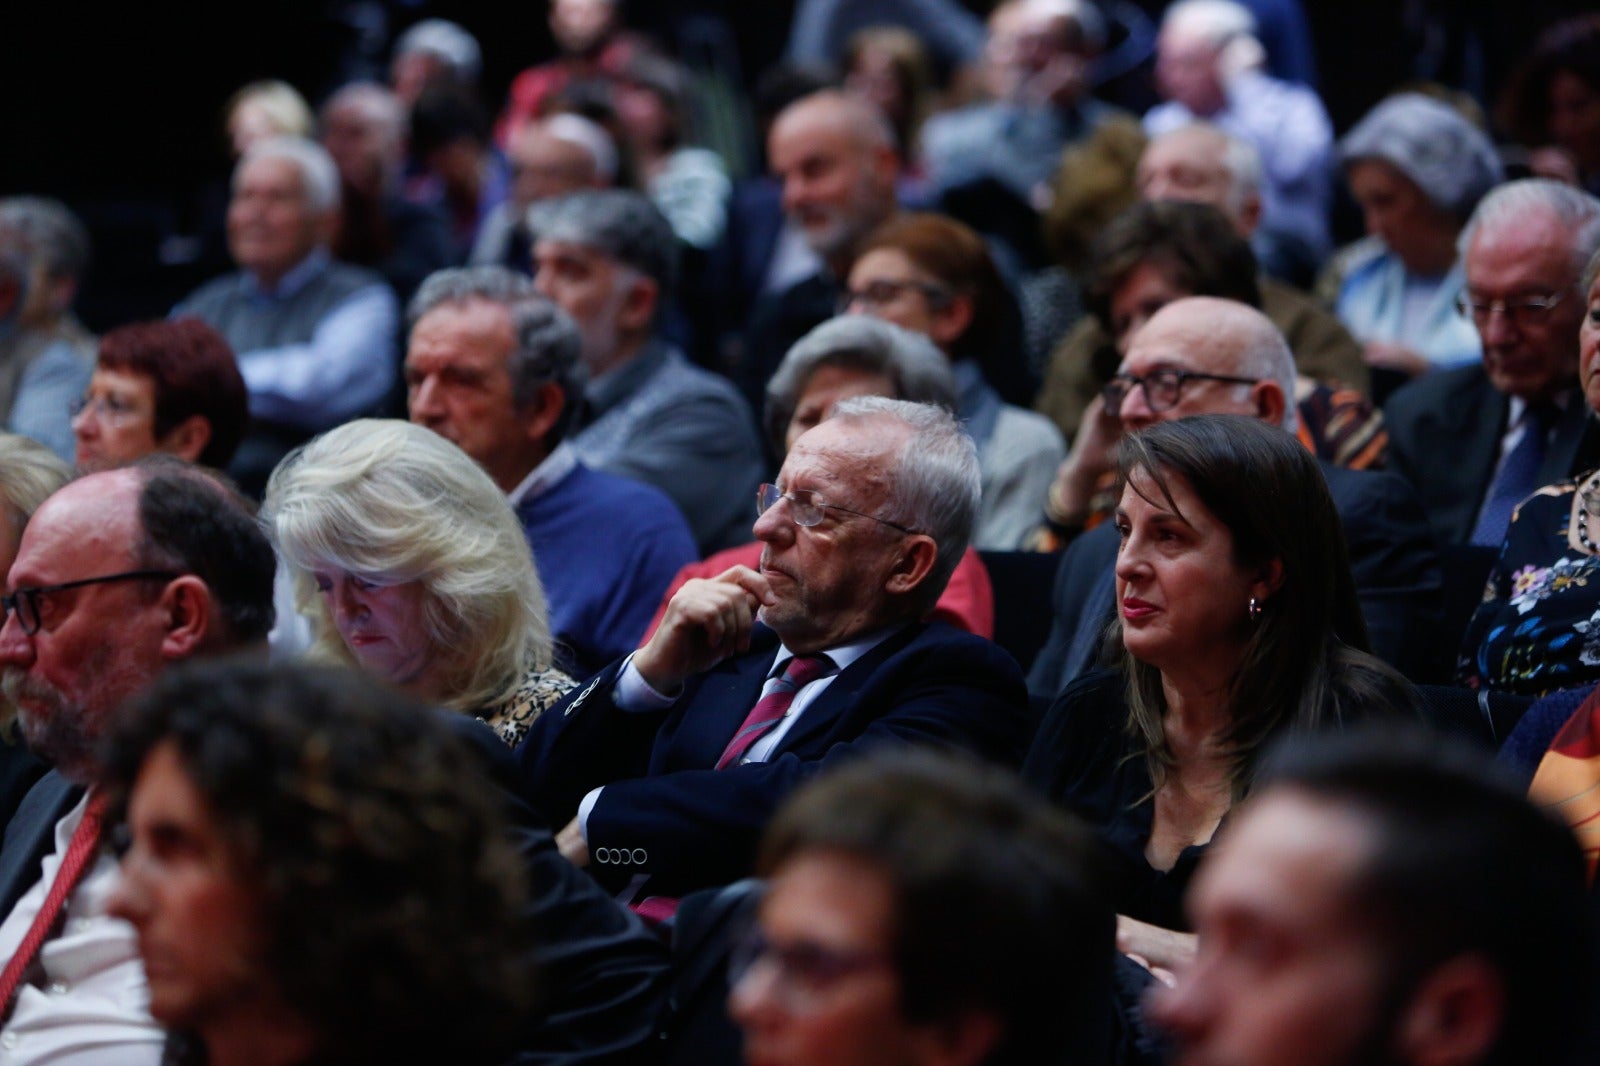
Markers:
(316, 339)
(549, 157)
(1209, 66)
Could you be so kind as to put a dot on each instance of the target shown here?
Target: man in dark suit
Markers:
(1476, 440)
(670, 763)
(1203, 355)
(118, 575)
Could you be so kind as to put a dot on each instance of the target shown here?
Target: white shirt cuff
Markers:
(633, 692)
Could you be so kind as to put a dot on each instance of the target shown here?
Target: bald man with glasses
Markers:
(1208, 356)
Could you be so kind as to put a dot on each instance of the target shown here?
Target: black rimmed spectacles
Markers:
(25, 601)
(1162, 388)
(806, 507)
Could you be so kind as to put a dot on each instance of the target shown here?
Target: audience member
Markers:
(593, 45)
(264, 109)
(823, 31)
(1238, 621)
(432, 53)
(933, 275)
(1208, 66)
(957, 918)
(1162, 250)
(1549, 103)
(887, 66)
(363, 127)
(688, 184)
(301, 845)
(1476, 440)
(607, 257)
(835, 157)
(549, 158)
(672, 764)
(1536, 630)
(45, 353)
(118, 575)
(840, 359)
(1348, 867)
(456, 165)
(315, 338)
(1417, 168)
(1040, 52)
(1206, 356)
(170, 386)
(29, 473)
(409, 563)
(496, 368)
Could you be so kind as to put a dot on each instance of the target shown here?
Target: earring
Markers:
(1254, 609)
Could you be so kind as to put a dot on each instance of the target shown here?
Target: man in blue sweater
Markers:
(495, 368)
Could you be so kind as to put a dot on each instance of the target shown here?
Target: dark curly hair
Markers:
(388, 883)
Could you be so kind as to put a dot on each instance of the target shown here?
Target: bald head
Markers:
(836, 158)
(1199, 163)
(1206, 335)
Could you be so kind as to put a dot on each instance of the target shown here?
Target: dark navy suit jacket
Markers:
(668, 814)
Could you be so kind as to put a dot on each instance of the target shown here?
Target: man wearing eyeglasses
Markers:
(1476, 440)
(118, 575)
(668, 764)
(1207, 356)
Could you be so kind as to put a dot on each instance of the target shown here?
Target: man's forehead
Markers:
(557, 249)
(472, 326)
(272, 171)
(93, 520)
(1183, 344)
(850, 451)
(1191, 148)
(1529, 250)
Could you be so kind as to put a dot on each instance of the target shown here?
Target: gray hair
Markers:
(318, 176)
(919, 372)
(1575, 212)
(588, 135)
(1264, 354)
(447, 42)
(935, 488)
(1452, 161)
(47, 233)
(29, 473)
(395, 503)
(548, 343)
(619, 223)
(378, 104)
(1216, 21)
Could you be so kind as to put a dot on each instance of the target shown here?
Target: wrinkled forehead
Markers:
(850, 457)
(91, 524)
(1183, 341)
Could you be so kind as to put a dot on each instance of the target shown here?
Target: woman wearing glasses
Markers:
(849, 356)
(410, 564)
(1538, 627)
(933, 275)
(1238, 622)
(1417, 168)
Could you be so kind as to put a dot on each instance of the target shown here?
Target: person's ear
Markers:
(188, 439)
(952, 320)
(540, 415)
(639, 307)
(1455, 1015)
(1269, 581)
(1269, 400)
(913, 564)
(186, 603)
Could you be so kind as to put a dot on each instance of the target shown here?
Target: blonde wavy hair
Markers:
(392, 503)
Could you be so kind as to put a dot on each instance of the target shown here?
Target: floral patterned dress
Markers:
(1538, 627)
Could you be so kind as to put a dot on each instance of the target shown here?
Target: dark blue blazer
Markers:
(30, 835)
(668, 814)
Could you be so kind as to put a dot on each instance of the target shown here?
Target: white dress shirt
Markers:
(92, 1006)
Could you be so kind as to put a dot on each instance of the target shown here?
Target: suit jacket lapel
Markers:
(843, 693)
(31, 834)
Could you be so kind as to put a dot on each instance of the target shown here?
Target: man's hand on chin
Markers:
(705, 623)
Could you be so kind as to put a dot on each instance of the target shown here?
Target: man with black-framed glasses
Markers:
(118, 575)
(666, 766)
(1207, 356)
(1476, 440)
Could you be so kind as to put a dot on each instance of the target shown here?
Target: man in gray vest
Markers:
(316, 339)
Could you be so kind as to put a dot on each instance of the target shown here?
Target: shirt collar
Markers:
(296, 278)
(842, 655)
(557, 465)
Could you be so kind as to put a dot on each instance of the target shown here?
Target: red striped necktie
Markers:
(771, 708)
